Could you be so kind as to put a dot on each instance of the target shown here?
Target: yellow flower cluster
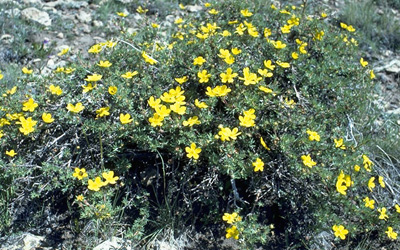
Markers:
(98, 183)
(343, 182)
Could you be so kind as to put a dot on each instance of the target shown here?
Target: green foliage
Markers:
(158, 140)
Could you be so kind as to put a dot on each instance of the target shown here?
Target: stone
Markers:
(31, 2)
(6, 39)
(114, 243)
(84, 17)
(392, 67)
(26, 241)
(194, 8)
(98, 23)
(36, 15)
(60, 35)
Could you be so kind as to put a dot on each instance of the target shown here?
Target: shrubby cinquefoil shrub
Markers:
(244, 115)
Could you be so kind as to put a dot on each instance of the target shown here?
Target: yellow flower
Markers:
(236, 51)
(218, 91)
(104, 64)
(122, 14)
(11, 153)
(283, 64)
(201, 105)
(248, 119)
(178, 108)
(231, 218)
(339, 143)
(55, 90)
(154, 25)
(228, 76)
(323, 15)
(63, 52)
(340, 231)
(264, 144)
(112, 90)
(96, 184)
(80, 173)
(207, 5)
(148, 59)
(286, 29)
(265, 73)
(80, 197)
(265, 89)
(178, 21)
(307, 161)
(181, 6)
(371, 183)
(203, 76)
(109, 177)
(356, 168)
(103, 112)
(278, 44)
(350, 28)
(295, 56)
(93, 78)
(27, 71)
(69, 70)
(213, 12)
(381, 182)
(383, 215)
(226, 33)
(95, 49)
(46, 117)
(27, 125)
(343, 25)
(232, 232)
(129, 74)
(249, 78)
(371, 74)
(191, 121)
(258, 165)
(226, 134)
(154, 103)
(391, 234)
(397, 207)
(1, 75)
(246, 13)
(193, 152)
(313, 136)
(140, 10)
(75, 109)
(30, 105)
(156, 120)
(182, 80)
(267, 32)
(88, 87)
(363, 63)
(125, 119)
(367, 163)
(369, 203)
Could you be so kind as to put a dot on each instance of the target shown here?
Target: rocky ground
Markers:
(80, 24)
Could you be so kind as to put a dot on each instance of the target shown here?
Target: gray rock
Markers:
(67, 4)
(60, 35)
(31, 2)
(26, 241)
(83, 16)
(113, 243)
(194, 8)
(36, 15)
(98, 23)
(6, 39)
(392, 67)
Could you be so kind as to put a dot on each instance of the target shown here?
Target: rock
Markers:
(36, 15)
(126, 1)
(194, 8)
(31, 2)
(83, 16)
(85, 28)
(60, 35)
(98, 23)
(114, 243)
(67, 4)
(6, 39)
(26, 241)
(392, 67)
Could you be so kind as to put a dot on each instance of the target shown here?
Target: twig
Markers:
(120, 40)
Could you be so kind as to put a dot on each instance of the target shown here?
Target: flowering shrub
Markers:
(243, 109)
